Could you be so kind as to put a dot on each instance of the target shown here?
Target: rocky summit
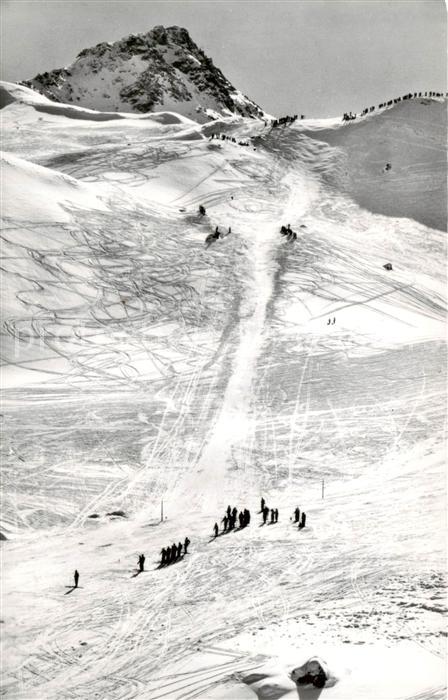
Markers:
(160, 70)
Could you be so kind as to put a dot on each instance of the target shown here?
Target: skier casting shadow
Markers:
(72, 588)
(141, 565)
(265, 516)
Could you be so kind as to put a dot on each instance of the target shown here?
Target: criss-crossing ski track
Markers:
(159, 339)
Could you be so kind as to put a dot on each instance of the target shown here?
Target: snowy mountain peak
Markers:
(162, 69)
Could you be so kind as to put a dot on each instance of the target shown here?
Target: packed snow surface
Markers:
(142, 366)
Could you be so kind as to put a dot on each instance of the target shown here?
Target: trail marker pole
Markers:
(161, 511)
(323, 488)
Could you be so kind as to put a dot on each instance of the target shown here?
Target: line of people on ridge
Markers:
(173, 553)
(224, 137)
(286, 120)
(349, 116)
(411, 96)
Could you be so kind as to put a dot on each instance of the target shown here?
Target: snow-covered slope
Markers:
(162, 69)
(411, 137)
(33, 193)
(140, 364)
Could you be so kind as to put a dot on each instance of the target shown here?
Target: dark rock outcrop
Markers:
(162, 69)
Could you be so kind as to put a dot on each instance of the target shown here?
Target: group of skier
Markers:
(265, 510)
(229, 520)
(176, 552)
(173, 553)
(269, 515)
(265, 515)
(288, 232)
(216, 234)
(301, 520)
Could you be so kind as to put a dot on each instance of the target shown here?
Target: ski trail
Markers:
(208, 486)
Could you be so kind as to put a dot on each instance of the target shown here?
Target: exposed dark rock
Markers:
(142, 72)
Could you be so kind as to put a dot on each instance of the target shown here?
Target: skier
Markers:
(303, 521)
(216, 529)
(141, 562)
(263, 503)
(276, 515)
(179, 550)
(297, 515)
(229, 510)
(186, 543)
(173, 556)
(241, 519)
(246, 517)
(76, 578)
(201, 210)
(272, 515)
(216, 234)
(265, 514)
(164, 556)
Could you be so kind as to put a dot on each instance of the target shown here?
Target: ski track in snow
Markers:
(207, 376)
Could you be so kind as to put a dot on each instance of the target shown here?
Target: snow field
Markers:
(143, 365)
